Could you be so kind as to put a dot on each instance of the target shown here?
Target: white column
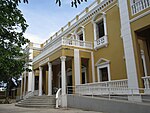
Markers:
(128, 49)
(29, 81)
(63, 75)
(63, 81)
(33, 81)
(40, 81)
(21, 86)
(77, 66)
(24, 83)
(49, 78)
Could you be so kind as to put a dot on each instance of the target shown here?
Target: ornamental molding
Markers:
(44, 61)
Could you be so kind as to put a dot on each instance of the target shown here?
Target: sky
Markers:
(45, 18)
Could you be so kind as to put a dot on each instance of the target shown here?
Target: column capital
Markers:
(49, 64)
(63, 58)
(40, 68)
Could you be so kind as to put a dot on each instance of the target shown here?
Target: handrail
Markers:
(58, 93)
(29, 94)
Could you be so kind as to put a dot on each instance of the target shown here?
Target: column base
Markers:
(64, 101)
(135, 98)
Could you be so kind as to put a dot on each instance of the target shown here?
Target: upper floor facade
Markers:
(89, 29)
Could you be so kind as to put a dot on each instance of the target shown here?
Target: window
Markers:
(103, 73)
(79, 32)
(100, 29)
(103, 70)
(81, 36)
(84, 75)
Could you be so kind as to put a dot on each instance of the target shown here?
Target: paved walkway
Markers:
(11, 108)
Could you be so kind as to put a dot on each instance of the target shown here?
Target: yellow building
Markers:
(106, 45)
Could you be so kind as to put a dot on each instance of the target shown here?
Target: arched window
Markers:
(100, 30)
(79, 33)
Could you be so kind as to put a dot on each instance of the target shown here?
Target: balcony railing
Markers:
(56, 43)
(139, 6)
(101, 42)
(77, 43)
(146, 84)
(100, 88)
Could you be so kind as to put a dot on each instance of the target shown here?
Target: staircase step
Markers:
(35, 106)
(38, 101)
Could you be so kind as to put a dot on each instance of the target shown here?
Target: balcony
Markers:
(139, 6)
(102, 88)
(58, 42)
(101, 42)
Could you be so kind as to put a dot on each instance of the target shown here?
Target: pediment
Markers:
(102, 61)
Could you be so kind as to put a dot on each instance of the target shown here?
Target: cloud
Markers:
(34, 38)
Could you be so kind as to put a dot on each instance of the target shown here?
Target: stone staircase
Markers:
(38, 101)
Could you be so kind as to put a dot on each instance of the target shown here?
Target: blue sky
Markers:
(45, 18)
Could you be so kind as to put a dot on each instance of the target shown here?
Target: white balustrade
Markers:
(139, 6)
(146, 82)
(77, 43)
(57, 42)
(101, 42)
(100, 88)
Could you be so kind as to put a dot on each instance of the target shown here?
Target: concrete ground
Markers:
(11, 108)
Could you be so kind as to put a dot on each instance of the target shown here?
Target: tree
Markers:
(73, 2)
(12, 27)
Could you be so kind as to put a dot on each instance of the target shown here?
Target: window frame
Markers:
(100, 66)
(81, 31)
(97, 40)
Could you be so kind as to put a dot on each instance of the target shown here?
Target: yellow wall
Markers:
(114, 51)
(35, 53)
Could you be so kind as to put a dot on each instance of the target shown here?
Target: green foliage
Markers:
(12, 27)
(74, 3)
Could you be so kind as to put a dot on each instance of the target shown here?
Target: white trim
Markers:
(102, 59)
(103, 66)
(140, 16)
(105, 37)
(82, 31)
(44, 61)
